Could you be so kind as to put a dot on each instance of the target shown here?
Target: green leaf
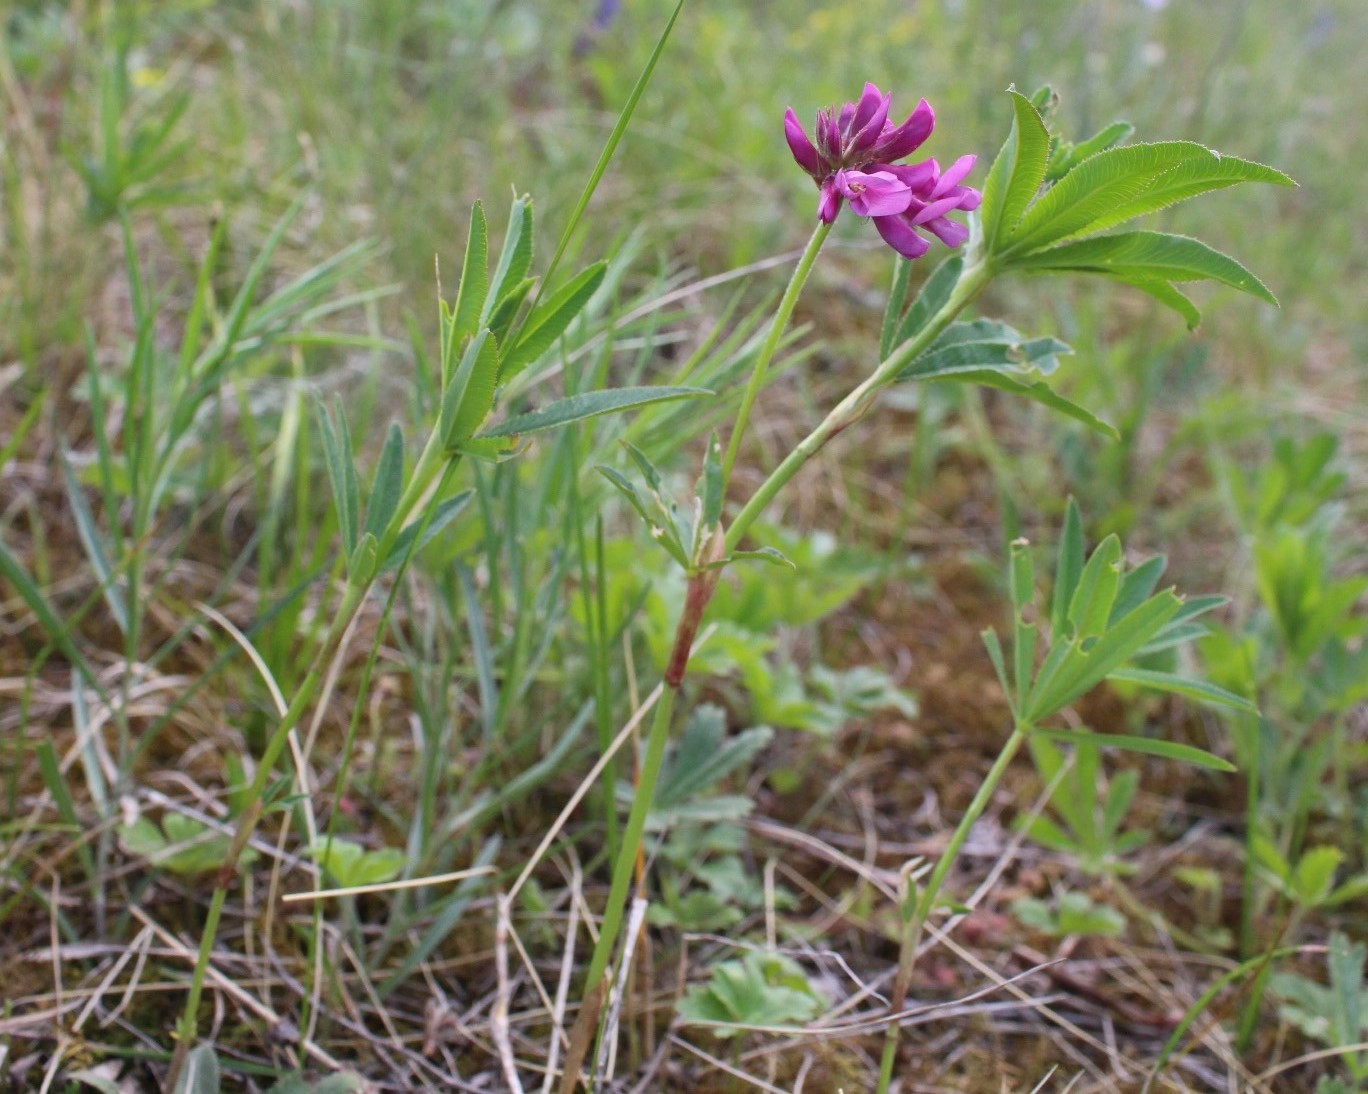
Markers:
(388, 486)
(501, 321)
(590, 404)
(1091, 605)
(182, 845)
(1037, 391)
(1314, 877)
(712, 488)
(89, 534)
(897, 300)
(337, 452)
(201, 1072)
(1182, 685)
(1122, 183)
(1068, 568)
(772, 555)
(1137, 586)
(1016, 174)
(474, 287)
(984, 343)
(351, 865)
(1066, 157)
(761, 989)
(1149, 746)
(446, 511)
(933, 296)
(470, 395)
(664, 534)
(993, 644)
(515, 258)
(1166, 294)
(1147, 257)
(704, 756)
(549, 320)
(1079, 669)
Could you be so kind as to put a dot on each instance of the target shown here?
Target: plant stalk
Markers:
(855, 405)
(926, 903)
(771, 344)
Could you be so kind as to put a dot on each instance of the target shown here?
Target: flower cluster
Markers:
(852, 160)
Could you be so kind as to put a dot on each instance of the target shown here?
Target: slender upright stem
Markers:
(855, 405)
(771, 344)
(926, 903)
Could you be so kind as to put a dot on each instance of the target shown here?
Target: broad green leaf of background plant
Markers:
(349, 864)
(182, 845)
(1071, 913)
(201, 1072)
(702, 757)
(1336, 1015)
(760, 989)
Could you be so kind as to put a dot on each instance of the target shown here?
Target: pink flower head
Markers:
(851, 159)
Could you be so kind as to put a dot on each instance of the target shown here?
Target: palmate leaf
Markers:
(590, 404)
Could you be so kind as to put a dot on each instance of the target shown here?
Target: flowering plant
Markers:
(1046, 206)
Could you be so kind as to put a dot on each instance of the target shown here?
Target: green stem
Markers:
(907, 956)
(625, 864)
(855, 405)
(771, 344)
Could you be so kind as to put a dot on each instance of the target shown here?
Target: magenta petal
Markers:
(847, 116)
(921, 177)
(901, 236)
(868, 135)
(803, 151)
(947, 231)
(935, 209)
(879, 194)
(908, 137)
(830, 202)
(953, 174)
(870, 100)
